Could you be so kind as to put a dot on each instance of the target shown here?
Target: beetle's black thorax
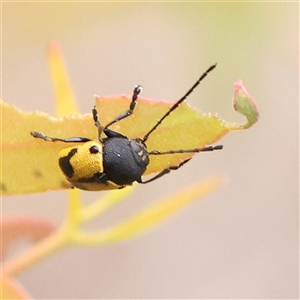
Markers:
(124, 160)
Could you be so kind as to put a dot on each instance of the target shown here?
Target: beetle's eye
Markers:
(94, 149)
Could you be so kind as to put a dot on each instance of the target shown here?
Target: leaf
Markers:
(29, 165)
(183, 129)
(19, 227)
(244, 104)
(150, 217)
(65, 100)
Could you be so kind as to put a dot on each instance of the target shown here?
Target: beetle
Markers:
(115, 161)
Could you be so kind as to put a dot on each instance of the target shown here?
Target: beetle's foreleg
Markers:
(40, 135)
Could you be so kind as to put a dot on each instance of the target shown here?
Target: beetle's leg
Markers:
(40, 135)
(96, 121)
(169, 169)
(209, 148)
(166, 171)
(109, 133)
(137, 89)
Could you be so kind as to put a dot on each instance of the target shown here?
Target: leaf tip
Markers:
(245, 104)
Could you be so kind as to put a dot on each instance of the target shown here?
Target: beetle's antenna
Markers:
(179, 101)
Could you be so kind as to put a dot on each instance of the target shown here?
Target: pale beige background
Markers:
(239, 242)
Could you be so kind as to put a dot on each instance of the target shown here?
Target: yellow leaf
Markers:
(29, 166)
(65, 99)
(183, 129)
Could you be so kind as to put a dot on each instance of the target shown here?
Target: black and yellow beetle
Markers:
(115, 161)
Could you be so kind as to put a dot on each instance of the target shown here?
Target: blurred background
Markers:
(240, 241)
